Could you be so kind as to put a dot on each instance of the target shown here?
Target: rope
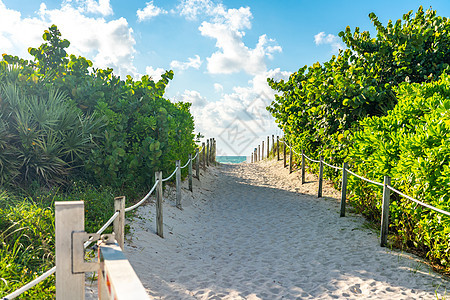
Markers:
(419, 202)
(313, 160)
(39, 279)
(198, 153)
(30, 284)
(186, 164)
(296, 152)
(331, 166)
(103, 228)
(143, 199)
(174, 171)
(363, 178)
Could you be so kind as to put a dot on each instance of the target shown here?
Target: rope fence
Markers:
(364, 178)
(208, 156)
(255, 156)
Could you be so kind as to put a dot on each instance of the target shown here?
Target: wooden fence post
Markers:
(284, 155)
(262, 148)
(291, 154)
(319, 192)
(385, 211)
(303, 167)
(273, 145)
(119, 222)
(190, 171)
(215, 150)
(178, 183)
(159, 205)
(344, 188)
(268, 148)
(197, 164)
(211, 150)
(207, 152)
(69, 217)
(259, 152)
(256, 155)
(204, 155)
(278, 148)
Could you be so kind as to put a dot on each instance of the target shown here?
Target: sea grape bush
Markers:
(72, 132)
(323, 102)
(119, 131)
(412, 145)
(380, 105)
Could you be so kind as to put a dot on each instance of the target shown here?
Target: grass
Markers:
(27, 233)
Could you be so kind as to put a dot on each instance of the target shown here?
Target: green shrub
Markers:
(27, 233)
(323, 101)
(120, 132)
(412, 145)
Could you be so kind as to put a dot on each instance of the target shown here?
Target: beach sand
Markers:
(252, 231)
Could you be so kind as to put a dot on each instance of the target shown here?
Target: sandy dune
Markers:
(252, 231)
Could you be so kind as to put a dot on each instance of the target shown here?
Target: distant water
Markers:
(231, 159)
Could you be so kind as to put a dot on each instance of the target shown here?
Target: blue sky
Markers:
(221, 51)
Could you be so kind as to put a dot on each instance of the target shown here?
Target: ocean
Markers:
(231, 159)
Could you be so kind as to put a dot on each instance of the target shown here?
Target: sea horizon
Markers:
(231, 159)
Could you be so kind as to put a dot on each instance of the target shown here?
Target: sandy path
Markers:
(252, 231)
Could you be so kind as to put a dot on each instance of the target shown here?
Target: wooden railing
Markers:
(116, 277)
(387, 188)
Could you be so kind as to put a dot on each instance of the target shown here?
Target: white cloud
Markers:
(195, 98)
(154, 73)
(227, 27)
(106, 43)
(322, 39)
(102, 7)
(245, 106)
(218, 87)
(149, 11)
(191, 63)
(234, 56)
(192, 8)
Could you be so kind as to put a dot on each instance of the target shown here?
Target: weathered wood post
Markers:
(210, 150)
(284, 155)
(273, 145)
(259, 152)
(69, 217)
(204, 155)
(256, 155)
(190, 171)
(215, 150)
(251, 157)
(278, 148)
(211, 143)
(385, 211)
(268, 148)
(119, 222)
(291, 154)
(178, 183)
(303, 167)
(262, 148)
(197, 164)
(344, 188)
(207, 152)
(159, 205)
(319, 192)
